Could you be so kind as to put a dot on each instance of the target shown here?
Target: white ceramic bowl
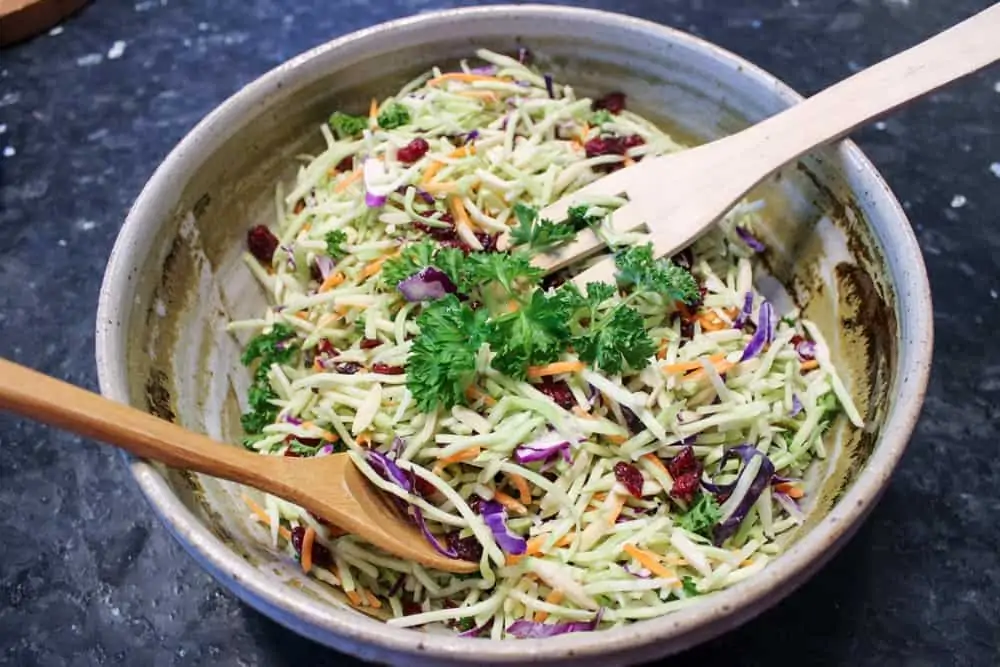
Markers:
(839, 241)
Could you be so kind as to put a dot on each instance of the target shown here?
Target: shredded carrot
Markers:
(474, 393)
(617, 508)
(373, 109)
(628, 161)
(302, 314)
(464, 455)
(650, 561)
(363, 439)
(307, 548)
(615, 439)
(580, 412)
(332, 281)
(789, 490)
(354, 598)
(440, 187)
(509, 502)
(685, 366)
(555, 597)
(662, 352)
(655, 460)
(373, 600)
(555, 368)
(459, 212)
(810, 365)
(710, 322)
(346, 182)
(373, 267)
(523, 490)
(720, 367)
(463, 77)
(264, 518)
(329, 437)
(584, 131)
(536, 543)
(436, 166)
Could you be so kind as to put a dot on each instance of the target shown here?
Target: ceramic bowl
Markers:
(839, 244)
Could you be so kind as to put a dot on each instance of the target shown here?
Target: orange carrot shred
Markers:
(373, 600)
(331, 281)
(655, 460)
(464, 455)
(685, 366)
(523, 490)
(810, 365)
(346, 182)
(307, 548)
(373, 109)
(555, 597)
(509, 502)
(650, 561)
(616, 509)
(354, 598)
(556, 368)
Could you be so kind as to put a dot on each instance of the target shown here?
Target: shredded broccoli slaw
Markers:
(647, 445)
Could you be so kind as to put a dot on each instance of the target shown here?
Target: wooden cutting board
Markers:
(23, 19)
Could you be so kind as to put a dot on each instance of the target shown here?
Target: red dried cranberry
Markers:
(292, 454)
(467, 548)
(805, 349)
(684, 462)
(413, 151)
(320, 554)
(410, 607)
(604, 146)
(386, 369)
(347, 368)
(347, 164)
(438, 233)
(558, 391)
(686, 485)
(613, 102)
(633, 140)
(488, 241)
(299, 205)
(630, 478)
(423, 488)
(326, 348)
(262, 244)
(369, 343)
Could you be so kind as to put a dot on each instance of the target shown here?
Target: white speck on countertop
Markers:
(9, 151)
(58, 30)
(995, 168)
(993, 294)
(898, 3)
(756, 23)
(9, 99)
(880, 125)
(62, 243)
(996, 86)
(86, 225)
(203, 26)
(89, 59)
(958, 201)
(3, 127)
(116, 50)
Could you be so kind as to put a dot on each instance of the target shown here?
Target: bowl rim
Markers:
(366, 637)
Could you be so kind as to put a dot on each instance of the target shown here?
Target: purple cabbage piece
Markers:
(750, 239)
(484, 70)
(806, 349)
(764, 334)
(729, 526)
(523, 56)
(796, 406)
(495, 517)
(548, 448)
(536, 630)
(745, 312)
(325, 450)
(374, 201)
(290, 251)
(427, 284)
(388, 469)
(549, 88)
(641, 573)
(324, 265)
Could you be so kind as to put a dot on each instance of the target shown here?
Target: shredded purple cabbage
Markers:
(325, 266)
(548, 448)
(485, 70)
(764, 334)
(374, 201)
(806, 349)
(427, 284)
(745, 312)
(495, 517)
(750, 239)
(729, 526)
(641, 573)
(796, 406)
(325, 450)
(549, 88)
(290, 251)
(535, 630)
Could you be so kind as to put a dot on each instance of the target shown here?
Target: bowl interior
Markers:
(187, 279)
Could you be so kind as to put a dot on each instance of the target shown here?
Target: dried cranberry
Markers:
(369, 343)
(686, 485)
(315, 273)
(467, 548)
(439, 233)
(684, 462)
(413, 151)
(262, 243)
(299, 205)
(558, 391)
(633, 140)
(410, 607)
(292, 454)
(386, 369)
(635, 424)
(630, 478)
(347, 368)
(423, 488)
(805, 349)
(326, 348)
(347, 164)
(605, 146)
(613, 102)
(488, 241)
(320, 554)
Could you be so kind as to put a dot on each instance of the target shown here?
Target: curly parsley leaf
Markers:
(271, 348)
(538, 235)
(690, 587)
(581, 218)
(345, 125)
(702, 515)
(510, 271)
(335, 241)
(442, 361)
(637, 267)
(536, 333)
(411, 259)
(616, 341)
(393, 115)
(276, 347)
(601, 117)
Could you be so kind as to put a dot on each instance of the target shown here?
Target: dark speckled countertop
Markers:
(89, 577)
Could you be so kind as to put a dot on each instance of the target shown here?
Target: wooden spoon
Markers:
(330, 487)
(678, 197)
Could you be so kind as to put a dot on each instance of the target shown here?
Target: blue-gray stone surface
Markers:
(89, 577)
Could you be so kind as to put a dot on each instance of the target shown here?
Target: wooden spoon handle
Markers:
(834, 112)
(45, 399)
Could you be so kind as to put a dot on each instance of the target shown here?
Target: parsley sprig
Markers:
(276, 347)
(537, 234)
